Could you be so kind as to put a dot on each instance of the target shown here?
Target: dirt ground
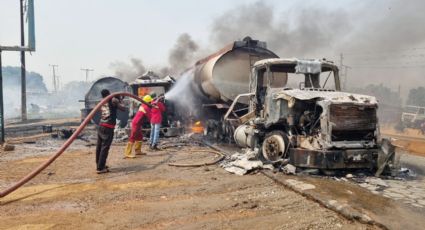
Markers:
(146, 193)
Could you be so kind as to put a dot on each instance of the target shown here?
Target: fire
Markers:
(197, 127)
(142, 91)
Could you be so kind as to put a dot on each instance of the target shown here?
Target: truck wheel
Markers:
(274, 146)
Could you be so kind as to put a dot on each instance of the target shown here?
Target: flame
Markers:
(142, 91)
(197, 127)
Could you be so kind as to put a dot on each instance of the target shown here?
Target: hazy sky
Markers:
(76, 34)
(94, 33)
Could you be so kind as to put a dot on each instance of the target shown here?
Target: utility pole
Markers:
(341, 74)
(22, 48)
(23, 71)
(87, 73)
(344, 68)
(58, 83)
(55, 80)
(1, 103)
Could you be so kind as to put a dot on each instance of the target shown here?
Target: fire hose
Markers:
(221, 157)
(68, 142)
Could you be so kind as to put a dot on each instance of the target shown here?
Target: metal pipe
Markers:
(68, 142)
(234, 103)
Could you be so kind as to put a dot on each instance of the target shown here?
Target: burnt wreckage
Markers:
(287, 109)
(297, 112)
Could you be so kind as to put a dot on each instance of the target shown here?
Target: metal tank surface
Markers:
(93, 97)
(225, 74)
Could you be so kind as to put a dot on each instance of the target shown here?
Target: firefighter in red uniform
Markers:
(136, 135)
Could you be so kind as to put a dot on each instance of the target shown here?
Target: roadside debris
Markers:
(47, 128)
(376, 181)
(349, 176)
(66, 133)
(289, 169)
(121, 134)
(243, 163)
(8, 147)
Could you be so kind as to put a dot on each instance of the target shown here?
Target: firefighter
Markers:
(105, 132)
(136, 135)
(158, 108)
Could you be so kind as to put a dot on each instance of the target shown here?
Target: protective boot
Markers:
(138, 148)
(128, 150)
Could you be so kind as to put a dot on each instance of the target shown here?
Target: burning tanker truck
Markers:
(288, 110)
(214, 82)
(148, 83)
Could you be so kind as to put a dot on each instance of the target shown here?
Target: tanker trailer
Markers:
(217, 79)
(93, 97)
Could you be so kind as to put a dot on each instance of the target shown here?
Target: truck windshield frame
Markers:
(315, 81)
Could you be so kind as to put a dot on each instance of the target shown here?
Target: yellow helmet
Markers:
(147, 98)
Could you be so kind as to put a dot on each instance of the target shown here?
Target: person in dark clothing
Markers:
(105, 132)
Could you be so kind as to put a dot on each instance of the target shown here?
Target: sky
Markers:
(94, 33)
(77, 34)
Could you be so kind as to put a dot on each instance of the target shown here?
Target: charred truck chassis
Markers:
(310, 125)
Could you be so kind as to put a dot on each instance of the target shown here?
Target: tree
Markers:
(384, 94)
(416, 96)
(389, 102)
(12, 79)
(76, 90)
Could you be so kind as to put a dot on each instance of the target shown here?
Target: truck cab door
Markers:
(260, 88)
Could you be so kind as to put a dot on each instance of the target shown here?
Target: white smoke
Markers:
(184, 94)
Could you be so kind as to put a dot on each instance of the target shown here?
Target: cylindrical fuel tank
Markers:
(244, 136)
(225, 74)
(93, 97)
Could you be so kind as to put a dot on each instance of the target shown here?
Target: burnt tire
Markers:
(274, 146)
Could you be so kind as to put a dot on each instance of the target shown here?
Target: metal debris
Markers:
(289, 169)
(243, 163)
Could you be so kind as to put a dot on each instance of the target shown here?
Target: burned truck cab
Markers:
(151, 84)
(298, 112)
